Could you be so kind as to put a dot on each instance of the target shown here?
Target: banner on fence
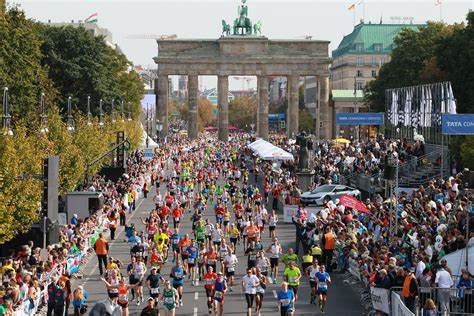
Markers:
(359, 119)
(290, 211)
(457, 124)
(380, 299)
(398, 307)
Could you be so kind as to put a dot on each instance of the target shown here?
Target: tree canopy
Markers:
(59, 62)
(243, 112)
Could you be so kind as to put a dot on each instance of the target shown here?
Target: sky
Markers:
(281, 19)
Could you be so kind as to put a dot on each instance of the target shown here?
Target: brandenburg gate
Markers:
(244, 54)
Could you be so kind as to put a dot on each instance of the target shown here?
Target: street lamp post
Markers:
(6, 114)
(43, 127)
(89, 110)
(159, 128)
(101, 113)
(129, 112)
(113, 110)
(121, 112)
(70, 118)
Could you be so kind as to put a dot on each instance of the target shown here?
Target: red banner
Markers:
(353, 203)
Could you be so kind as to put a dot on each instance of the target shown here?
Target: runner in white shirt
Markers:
(230, 261)
(250, 283)
(313, 281)
(273, 220)
(275, 253)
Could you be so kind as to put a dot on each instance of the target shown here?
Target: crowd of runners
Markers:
(231, 200)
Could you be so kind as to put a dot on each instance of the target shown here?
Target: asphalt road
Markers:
(342, 299)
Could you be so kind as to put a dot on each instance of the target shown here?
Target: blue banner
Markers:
(458, 124)
(359, 119)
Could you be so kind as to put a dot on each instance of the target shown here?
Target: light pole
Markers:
(43, 127)
(121, 111)
(147, 125)
(113, 110)
(70, 118)
(6, 114)
(129, 112)
(159, 128)
(89, 110)
(101, 113)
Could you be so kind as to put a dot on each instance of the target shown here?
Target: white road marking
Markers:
(275, 293)
(196, 295)
(195, 311)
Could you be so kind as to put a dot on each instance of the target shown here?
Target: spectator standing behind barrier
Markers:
(410, 290)
(101, 248)
(79, 299)
(444, 281)
(52, 287)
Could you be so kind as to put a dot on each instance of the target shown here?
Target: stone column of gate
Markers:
(293, 114)
(193, 106)
(161, 91)
(262, 116)
(326, 129)
(223, 106)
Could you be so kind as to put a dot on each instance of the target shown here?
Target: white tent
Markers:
(457, 260)
(268, 151)
(151, 142)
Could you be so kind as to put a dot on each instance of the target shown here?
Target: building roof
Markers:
(347, 94)
(369, 35)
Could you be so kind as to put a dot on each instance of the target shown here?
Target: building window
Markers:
(374, 61)
(359, 73)
(360, 61)
(378, 47)
(374, 73)
(359, 47)
(360, 85)
(382, 60)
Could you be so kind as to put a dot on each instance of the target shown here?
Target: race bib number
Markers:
(168, 300)
(123, 298)
(178, 275)
(209, 281)
(322, 285)
(211, 261)
(285, 302)
(218, 294)
(190, 260)
(155, 290)
(293, 279)
(253, 257)
(175, 241)
(176, 219)
(231, 269)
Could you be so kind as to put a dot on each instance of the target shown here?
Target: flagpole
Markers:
(363, 11)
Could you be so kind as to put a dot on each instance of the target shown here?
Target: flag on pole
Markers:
(92, 18)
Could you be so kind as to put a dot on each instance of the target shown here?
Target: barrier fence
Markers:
(74, 263)
(450, 301)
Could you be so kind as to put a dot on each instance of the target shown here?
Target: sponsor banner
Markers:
(457, 124)
(398, 307)
(353, 203)
(290, 211)
(148, 153)
(380, 299)
(359, 119)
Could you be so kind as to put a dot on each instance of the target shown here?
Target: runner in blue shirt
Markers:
(323, 279)
(177, 273)
(286, 299)
(192, 264)
(174, 239)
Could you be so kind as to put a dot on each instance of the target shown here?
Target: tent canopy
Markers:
(457, 260)
(151, 142)
(268, 151)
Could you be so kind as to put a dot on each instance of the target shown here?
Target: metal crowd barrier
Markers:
(451, 301)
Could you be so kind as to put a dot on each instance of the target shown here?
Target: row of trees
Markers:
(436, 52)
(59, 62)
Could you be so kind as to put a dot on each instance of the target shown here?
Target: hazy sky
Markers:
(323, 19)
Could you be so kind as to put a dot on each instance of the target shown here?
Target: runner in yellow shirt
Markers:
(293, 275)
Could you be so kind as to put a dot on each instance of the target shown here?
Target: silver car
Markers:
(327, 192)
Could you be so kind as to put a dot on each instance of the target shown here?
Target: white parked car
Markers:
(327, 192)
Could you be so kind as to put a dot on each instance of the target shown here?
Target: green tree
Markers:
(412, 60)
(243, 112)
(455, 57)
(81, 64)
(20, 64)
(306, 122)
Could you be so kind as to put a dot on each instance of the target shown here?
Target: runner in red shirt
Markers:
(177, 213)
(209, 282)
